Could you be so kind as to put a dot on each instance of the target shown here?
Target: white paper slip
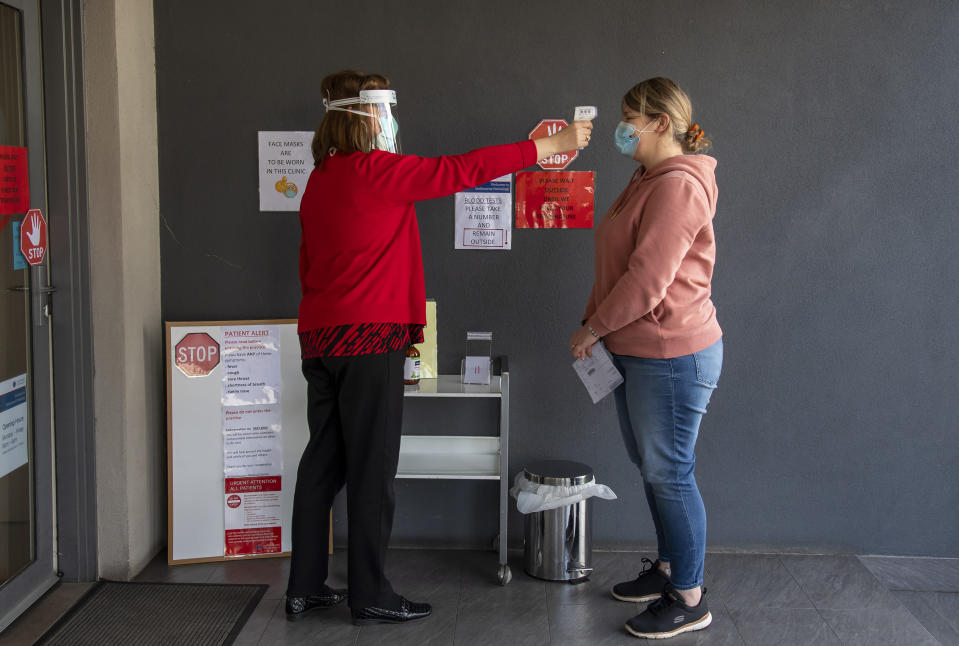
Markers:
(598, 373)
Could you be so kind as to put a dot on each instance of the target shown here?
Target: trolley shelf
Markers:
(451, 386)
(442, 457)
(470, 457)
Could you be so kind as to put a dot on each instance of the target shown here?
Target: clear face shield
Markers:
(378, 107)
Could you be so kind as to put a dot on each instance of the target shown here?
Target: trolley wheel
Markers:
(504, 575)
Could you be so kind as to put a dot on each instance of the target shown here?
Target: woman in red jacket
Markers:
(363, 304)
(651, 305)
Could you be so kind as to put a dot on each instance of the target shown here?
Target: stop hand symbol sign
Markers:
(548, 127)
(33, 237)
(197, 354)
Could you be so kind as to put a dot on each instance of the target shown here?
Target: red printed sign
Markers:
(255, 540)
(551, 200)
(14, 181)
(257, 483)
(251, 519)
(33, 237)
(548, 127)
(196, 354)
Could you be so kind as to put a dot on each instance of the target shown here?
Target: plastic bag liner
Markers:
(531, 497)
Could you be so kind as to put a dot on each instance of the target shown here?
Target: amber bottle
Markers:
(411, 369)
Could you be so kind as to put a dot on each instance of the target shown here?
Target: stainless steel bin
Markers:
(559, 541)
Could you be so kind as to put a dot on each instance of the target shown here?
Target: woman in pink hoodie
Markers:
(651, 306)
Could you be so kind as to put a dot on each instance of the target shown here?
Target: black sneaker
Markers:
(648, 586)
(669, 617)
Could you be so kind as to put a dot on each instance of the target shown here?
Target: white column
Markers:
(121, 136)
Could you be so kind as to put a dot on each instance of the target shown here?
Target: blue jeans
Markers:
(660, 406)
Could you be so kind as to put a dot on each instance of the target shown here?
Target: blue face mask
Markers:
(623, 137)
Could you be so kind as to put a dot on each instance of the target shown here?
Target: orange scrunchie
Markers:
(697, 130)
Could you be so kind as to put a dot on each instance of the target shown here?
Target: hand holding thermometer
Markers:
(584, 113)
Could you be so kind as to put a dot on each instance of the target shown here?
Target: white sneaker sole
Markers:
(699, 625)
(648, 597)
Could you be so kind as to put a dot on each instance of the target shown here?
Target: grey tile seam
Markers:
(456, 614)
(266, 625)
(459, 600)
(829, 626)
(782, 564)
(734, 622)
(549, 637)
(948, 620)
(813, 603)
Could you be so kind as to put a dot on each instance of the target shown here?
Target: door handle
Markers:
(20, 289)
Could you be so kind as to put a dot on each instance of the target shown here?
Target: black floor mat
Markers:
(144, 614)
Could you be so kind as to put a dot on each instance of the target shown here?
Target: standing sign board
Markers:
(236, 427)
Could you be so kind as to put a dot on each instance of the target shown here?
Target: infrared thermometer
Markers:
(584, 113)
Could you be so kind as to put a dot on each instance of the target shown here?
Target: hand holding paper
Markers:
(598, 373)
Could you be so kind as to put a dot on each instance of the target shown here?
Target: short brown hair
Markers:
(345, 131)
(659, 95)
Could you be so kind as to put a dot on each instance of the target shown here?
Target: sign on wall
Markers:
(33, 237)
(554, 200)
(546, 128)
(286, 161)
(484, 215)
(14, 180)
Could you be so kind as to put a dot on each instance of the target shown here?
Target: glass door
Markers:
(27, 560)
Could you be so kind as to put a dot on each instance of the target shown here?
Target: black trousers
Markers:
(354, 411)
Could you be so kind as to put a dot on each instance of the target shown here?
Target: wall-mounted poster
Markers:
(554, 200)
(483, 215)
(286, 161)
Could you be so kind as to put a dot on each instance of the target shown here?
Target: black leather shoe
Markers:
(409, 611)
(296, 607)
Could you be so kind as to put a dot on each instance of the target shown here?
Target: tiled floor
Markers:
(755, 599)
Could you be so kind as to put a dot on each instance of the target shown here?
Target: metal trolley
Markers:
(470, 457)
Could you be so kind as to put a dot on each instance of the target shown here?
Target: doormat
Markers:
(144, 614)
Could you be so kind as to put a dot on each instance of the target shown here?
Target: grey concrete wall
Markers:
(121, 135)
(835, 283)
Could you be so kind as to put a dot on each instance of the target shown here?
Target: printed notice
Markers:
(13, 424)
(14, 180)
(554, 200)
(598, 373)
(484, 215)
(251, 365)
(252, 516)
(251, 441)
(286, 161)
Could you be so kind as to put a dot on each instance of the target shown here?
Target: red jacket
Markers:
(360, 256)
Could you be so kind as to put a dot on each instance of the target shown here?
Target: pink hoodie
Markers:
(655, 251)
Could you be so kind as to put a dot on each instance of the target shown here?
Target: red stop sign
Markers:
(197, 354)
(33, 237)
(548, 127)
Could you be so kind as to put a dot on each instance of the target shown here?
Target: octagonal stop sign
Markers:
(196, 354)
(548, 127)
